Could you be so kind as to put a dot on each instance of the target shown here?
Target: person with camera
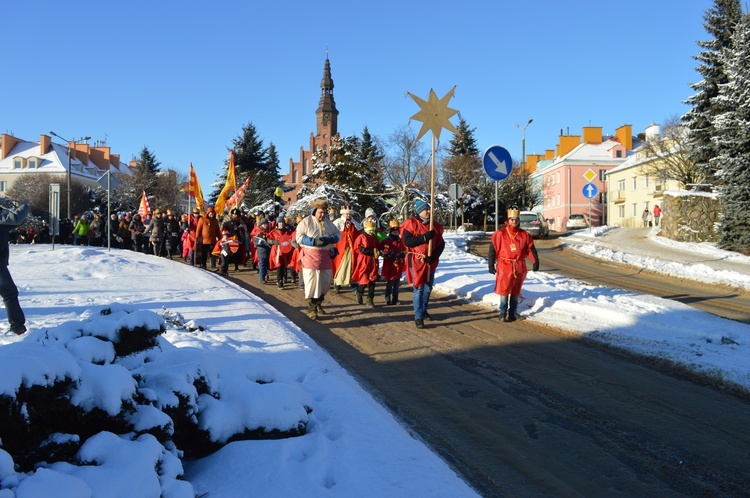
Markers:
(316, 235)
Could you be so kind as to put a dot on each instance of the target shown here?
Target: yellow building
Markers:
(631, 190)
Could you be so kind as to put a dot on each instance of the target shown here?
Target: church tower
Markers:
(326, 134)
(327, 113)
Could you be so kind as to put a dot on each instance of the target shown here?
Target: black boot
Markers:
(312, 309)
(359, 297)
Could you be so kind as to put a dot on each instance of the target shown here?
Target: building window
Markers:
(634, 209)
(32, 163)
(621, 211)
(306, 167)
(621, 185)
(558, 177)
(645, 182)
(3, 186)
(17, 163)
(634, 183)
(602, 175)
(618, 153)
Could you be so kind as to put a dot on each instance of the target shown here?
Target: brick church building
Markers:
(326, 134)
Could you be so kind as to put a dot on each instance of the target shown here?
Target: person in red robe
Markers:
(366, 263)
(424, 246)
(282, 250)
(510, 247)
(343, 263)
(393, 253)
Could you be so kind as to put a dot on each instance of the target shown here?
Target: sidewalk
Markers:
(644, 247)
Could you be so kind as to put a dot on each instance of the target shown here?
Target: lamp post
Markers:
(523, 162)
(70, 177)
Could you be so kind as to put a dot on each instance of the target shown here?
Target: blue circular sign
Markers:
(590, 190)
(497, 162)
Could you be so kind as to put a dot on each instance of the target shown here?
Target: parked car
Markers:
(578, 221)
(535, 224)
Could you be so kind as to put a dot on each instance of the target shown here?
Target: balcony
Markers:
(618, 196)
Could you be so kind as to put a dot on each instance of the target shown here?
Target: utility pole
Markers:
(523, 162)
(70, 161)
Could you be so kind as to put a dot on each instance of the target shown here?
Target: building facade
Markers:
(580, 160)
(326, 134)
(632, 190)
(87, 163)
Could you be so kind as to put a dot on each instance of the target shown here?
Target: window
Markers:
(618, 153)
(621, 185)
(3, 186)
(558, 177)
(33, 161)
(621, 211)
(645, 182)
(602, 175)
(17, 163)
(634, 183)
(634, 209)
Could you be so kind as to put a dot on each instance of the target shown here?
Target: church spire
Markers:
(327, 113)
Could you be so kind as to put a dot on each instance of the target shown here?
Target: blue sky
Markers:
(183, 78)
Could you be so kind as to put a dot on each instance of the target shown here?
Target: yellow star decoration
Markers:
(434, 113)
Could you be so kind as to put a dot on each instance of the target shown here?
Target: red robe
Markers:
(348, 234)
(393, 267)
(282, 251)
(417, 271)
(511, 250)
(365, 266)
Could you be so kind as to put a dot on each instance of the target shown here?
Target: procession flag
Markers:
(194, 190)
(144, 208)
(228, 186)
(238, 195)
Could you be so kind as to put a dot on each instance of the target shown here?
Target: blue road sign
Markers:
(497, 162)
(590, 191)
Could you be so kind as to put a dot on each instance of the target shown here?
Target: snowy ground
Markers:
(353, 446)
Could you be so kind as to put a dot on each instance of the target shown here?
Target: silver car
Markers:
(535, 224)
(578, 221)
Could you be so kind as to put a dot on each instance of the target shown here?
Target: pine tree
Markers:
(719, 22)
(732, 141)
(462, 166)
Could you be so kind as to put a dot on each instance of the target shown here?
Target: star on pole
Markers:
(434, 113)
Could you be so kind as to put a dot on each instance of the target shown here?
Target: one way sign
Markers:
(497, 162)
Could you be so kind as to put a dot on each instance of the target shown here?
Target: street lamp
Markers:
(523, 162)
(70, 169)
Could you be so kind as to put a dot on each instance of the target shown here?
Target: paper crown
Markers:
(513, 213)
(393, 224)
(370, 225)
(346, 210)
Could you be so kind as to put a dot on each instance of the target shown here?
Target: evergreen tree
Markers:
(732, 141)
(463, 166)
(142, 177)
(719, 22)
(343, 167)
(147, 162)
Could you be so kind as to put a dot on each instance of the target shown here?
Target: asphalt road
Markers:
(724, 301)
(519, 409)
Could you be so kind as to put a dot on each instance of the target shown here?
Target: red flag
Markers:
(194, 190)
(239, 194)
(229, 185)
(144, 208)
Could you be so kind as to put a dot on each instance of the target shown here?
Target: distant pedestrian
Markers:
(510, 247)
(657, 215)
(11, 216)
(646, 214)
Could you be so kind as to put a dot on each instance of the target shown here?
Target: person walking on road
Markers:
(510, 246)
(657, 215)
(11, 216)
(316, 236)
(646, 215)
(425, 245)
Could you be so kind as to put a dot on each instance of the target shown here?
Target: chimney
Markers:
(6, 144)
(625, 135)
(44, 144)
(592, 134)
(567, 143)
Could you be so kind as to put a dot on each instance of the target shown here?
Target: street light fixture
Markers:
(523, 162)
(70, 168)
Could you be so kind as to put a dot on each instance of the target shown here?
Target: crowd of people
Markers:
(327, 249)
